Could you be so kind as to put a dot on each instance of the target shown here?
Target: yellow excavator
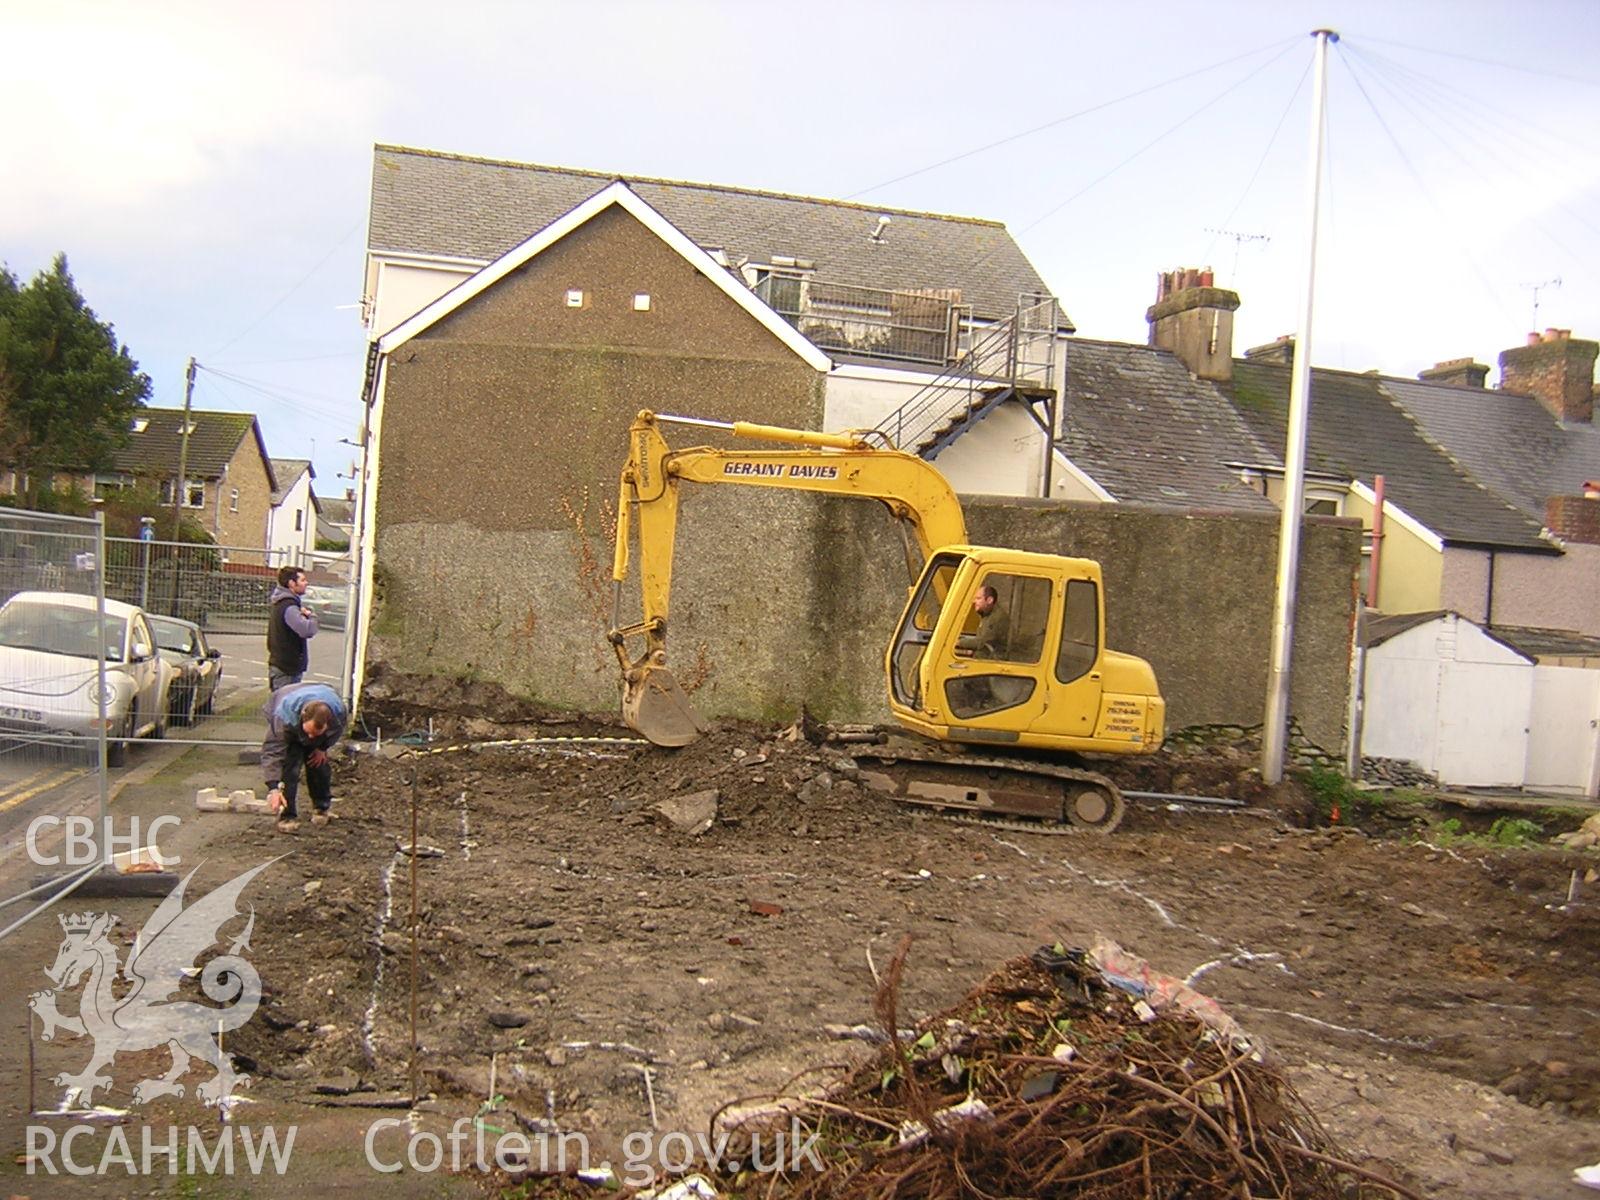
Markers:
(995, 648)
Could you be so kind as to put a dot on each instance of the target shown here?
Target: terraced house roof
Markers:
(1357, 431)
(1513, 443)
(214, 438)
(1148, 432)
(434, 204)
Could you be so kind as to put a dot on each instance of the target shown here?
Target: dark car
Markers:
(199, 668)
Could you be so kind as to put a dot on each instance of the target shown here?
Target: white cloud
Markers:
(130, 105)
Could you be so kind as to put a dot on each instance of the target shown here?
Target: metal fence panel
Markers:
(73, 670)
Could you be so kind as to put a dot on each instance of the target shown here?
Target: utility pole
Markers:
(1275, 731)
(183, 451)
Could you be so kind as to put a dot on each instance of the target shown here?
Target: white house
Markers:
(292, 521)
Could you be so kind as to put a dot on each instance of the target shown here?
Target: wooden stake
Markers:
(414, 857)
(32, 1103)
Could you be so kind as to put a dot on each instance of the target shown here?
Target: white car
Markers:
(49, 642)
(329, 604)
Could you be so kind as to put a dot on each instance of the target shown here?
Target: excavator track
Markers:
(996, 792)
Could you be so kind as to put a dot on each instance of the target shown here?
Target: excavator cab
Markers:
(1007, 647)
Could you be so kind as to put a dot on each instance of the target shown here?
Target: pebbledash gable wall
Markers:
(504, 428)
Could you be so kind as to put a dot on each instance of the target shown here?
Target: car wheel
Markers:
(117, 751)
(193, 707)
(211, 700)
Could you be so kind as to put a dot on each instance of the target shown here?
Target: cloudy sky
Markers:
(205, 166)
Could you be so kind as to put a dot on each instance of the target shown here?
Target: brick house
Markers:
(229, 483)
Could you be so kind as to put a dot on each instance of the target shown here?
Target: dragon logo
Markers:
(143, 1014)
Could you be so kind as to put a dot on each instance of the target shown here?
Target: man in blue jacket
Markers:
(303, 721)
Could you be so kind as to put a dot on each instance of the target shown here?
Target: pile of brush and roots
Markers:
(1046, 1081)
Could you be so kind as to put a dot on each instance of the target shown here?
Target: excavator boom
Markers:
(839, 464)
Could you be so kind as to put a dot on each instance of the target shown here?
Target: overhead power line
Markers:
(1487, 62)
(295, 287)
(1416, 177)
(1084, 112)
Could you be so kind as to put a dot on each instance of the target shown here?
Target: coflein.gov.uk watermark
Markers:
(391, 1145)
(646, 1154)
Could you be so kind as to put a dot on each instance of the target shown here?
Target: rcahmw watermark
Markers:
(157, 1154)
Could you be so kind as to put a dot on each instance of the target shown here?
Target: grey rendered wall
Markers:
(1192, 593)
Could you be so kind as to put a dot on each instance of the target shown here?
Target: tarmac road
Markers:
(57, 781)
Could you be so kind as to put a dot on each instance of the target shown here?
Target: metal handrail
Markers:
(907, 326)
(954, 394)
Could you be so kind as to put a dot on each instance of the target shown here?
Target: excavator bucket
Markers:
(656, 706)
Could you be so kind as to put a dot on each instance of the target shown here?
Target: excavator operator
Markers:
(990, 638)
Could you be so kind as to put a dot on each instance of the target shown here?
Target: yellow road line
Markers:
(34, 778)
(57, 779)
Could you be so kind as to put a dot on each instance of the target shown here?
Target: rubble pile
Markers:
(1047, 1080)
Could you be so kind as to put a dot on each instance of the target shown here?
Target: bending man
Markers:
(303, 721)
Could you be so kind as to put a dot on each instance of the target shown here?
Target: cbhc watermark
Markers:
(81, 849)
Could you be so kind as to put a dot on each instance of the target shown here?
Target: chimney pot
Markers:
(1534, 339)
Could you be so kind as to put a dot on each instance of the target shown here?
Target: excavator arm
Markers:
(839, 464)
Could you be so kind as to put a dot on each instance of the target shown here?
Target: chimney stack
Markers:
(1457, 372)
(1193, 318)
(1557, 369)
(1279, 353)
(1575, 519)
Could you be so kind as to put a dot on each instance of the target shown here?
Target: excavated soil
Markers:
(1436, 1006)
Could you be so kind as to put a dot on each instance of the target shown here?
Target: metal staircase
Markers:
(1012, 360)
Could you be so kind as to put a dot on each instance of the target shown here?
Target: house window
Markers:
(299, 519)
(233, 500)
(1324, 501)
(574, 297)
(641, 302)
(194, 493)
(783, 292)
(140, 424)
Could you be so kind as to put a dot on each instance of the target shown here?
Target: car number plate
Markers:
(12, 713)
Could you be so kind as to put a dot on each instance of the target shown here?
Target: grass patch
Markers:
(1506, 833)
(1332, 794)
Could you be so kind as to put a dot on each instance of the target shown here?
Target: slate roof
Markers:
(1148, 432)
(1357, 431)
(212, 443)
(337, 512)
(1379, 630)
(431, 203)
(287, 472)
(1513, 443)
(1531, 643)
(1547, 643)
